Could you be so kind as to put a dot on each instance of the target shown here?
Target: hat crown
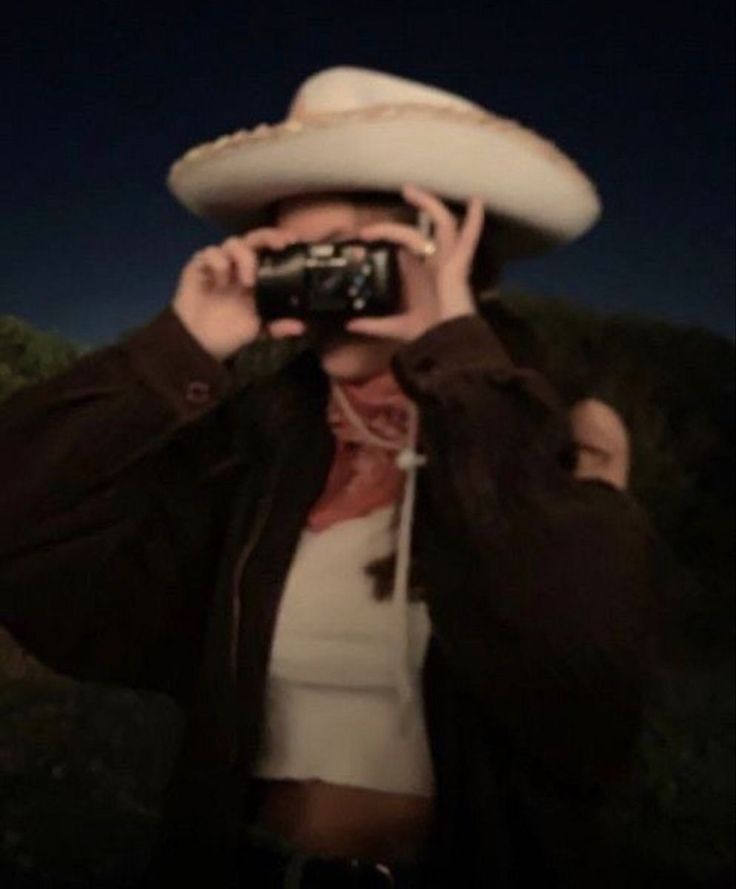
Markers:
(348, 88)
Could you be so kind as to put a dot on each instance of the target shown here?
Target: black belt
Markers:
(270, 863)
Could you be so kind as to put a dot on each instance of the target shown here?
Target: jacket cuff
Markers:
(464, 343)
(170, 361)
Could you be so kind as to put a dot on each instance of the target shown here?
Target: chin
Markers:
(353, 357)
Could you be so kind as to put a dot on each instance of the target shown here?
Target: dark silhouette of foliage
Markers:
(28, 355)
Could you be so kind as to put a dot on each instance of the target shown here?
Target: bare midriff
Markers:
(354, 822)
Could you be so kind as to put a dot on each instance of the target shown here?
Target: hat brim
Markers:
(538, 195)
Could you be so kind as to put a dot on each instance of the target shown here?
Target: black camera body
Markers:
(348, 279)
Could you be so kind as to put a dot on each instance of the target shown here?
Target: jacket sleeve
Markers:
(542, 592)
(74, 452)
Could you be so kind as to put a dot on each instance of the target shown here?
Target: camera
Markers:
(349, 279)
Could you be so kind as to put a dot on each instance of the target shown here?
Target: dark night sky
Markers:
(102, 97)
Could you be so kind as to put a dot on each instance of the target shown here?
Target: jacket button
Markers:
(198, 392)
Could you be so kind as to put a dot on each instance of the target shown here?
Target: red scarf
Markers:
(364, 475)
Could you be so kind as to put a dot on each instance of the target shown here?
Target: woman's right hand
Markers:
(215, 298)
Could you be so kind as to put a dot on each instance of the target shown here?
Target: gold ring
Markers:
(429, 248)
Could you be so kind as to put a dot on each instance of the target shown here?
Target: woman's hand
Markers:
(215, 298)
(435, 288)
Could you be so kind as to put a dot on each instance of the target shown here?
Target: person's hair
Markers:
(486, 270)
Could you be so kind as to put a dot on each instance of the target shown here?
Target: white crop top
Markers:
(333, 712)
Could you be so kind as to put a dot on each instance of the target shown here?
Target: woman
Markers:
(461, 725)
(382, 825)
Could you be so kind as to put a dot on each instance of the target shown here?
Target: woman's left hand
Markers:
(435, 288)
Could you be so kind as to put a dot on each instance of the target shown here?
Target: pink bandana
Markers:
(364, 475)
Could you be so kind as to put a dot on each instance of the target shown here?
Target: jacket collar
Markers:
(291, 397)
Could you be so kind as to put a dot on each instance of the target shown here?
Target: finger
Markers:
(248, 245)
(404, 235)
(269, 238)
(208, 259)
(218, 265)
(245, 261)
(467, 241)
(286, 327)
(393, 327)
(445, 226)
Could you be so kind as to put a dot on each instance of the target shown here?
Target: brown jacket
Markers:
(150, 508)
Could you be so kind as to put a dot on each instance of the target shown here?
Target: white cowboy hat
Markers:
(354, 129)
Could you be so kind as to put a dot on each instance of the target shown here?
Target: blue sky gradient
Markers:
(103, 97)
